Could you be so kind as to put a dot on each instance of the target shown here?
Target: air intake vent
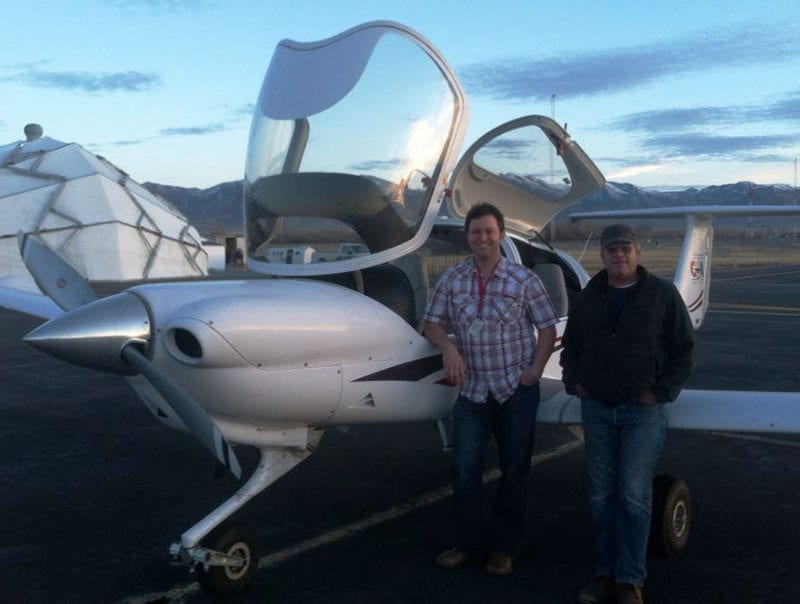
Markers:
(187, 343)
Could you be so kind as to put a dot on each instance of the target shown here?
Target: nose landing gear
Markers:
(225, 559)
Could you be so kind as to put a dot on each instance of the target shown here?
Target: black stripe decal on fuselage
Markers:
(412, 371)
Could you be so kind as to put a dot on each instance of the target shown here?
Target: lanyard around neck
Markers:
(481, 290)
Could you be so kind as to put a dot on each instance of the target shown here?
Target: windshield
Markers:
(350, 173)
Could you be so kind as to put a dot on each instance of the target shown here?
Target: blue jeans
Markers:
(512, 424)
(623, 444)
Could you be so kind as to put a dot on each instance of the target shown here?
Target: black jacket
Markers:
(651, 349)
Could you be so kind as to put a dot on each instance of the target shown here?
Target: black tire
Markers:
(671, 521)
(224, 581)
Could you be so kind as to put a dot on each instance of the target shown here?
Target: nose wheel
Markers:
(225, 559)
(235, 555)
(671, 520)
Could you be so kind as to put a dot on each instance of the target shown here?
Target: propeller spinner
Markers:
(110, 335)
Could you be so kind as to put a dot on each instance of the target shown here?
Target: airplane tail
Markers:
(693, 273)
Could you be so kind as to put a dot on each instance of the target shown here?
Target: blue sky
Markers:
(658, 93)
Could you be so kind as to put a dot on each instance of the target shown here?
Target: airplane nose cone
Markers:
(94, 335)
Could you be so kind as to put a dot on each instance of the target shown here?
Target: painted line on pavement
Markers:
(791, 271)
(754, 313)
(757, 307)
(352, 529)
(760, 439)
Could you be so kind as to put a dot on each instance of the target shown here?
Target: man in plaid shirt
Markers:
(495, 308)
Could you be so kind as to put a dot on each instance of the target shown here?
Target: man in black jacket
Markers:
(628, 349)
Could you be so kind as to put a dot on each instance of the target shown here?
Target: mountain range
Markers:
(218, 209)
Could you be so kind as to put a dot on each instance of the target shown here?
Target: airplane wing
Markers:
(719, 410)
(21, 293)
(693, 273)
(736, 411)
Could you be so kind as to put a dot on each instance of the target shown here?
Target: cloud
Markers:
(125, 81)
(508, 148)
(236, 118)
(167, 5)
(124, 143)
(786, 109)
(376, 165)
(668, 120)
(660, 150)
(708, 145)
(623, 68)
(194, 130)
(245, 109)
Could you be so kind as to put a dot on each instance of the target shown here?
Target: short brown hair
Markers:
(479, 210)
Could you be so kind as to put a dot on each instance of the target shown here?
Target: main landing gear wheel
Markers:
(229, 580)
(672, 517)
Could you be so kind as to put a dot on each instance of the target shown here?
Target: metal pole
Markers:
(552, 167)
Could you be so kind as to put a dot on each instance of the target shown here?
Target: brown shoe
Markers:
(629, 594)
(499, 564)
(452, 559)
(597, 591)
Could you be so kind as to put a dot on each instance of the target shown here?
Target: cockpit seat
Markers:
(278, 203)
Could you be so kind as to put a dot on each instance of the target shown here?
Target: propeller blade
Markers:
(192, 414)
(54, 275)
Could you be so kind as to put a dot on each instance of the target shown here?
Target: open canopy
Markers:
(351, 140)
(529, 167)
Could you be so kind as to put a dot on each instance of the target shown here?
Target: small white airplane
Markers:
(354, 142)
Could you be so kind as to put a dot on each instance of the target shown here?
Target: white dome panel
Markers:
(40, 145)
(143, 194)
(119, 226)
(58, 239)
(152, 238)
(12, 182)
(96, 253)
(169, 224)
(10, 260)
(54, 221)
(25, 164)
(21, 212)
(69, 162)
(69, 246)
(7, 150)
(103, 166)
(171, 261)
(95, 198)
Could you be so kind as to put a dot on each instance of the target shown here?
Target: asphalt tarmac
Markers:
(94, 490)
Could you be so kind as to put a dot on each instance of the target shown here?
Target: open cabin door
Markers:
(351, 141)
(529, 167)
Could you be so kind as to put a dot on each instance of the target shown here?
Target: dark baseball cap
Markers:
(616, 233)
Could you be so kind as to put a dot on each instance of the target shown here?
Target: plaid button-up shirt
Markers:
(514, 302)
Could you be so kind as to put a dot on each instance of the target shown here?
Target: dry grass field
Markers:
(661, 255)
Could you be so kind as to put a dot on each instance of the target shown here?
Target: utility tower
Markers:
(553, 167)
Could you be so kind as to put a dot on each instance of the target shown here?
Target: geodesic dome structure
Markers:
(108, 226)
